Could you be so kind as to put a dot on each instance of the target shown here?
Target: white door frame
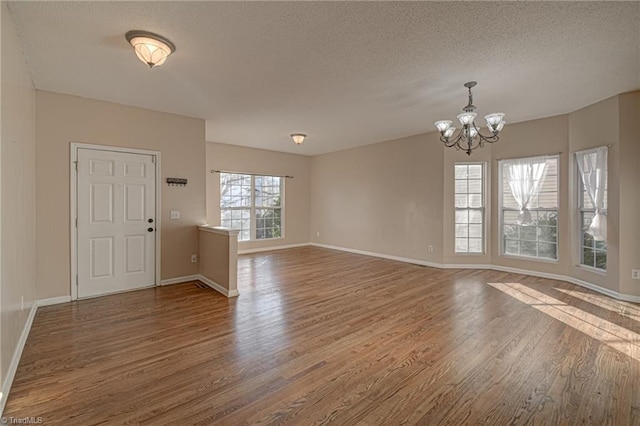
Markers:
(73, 173)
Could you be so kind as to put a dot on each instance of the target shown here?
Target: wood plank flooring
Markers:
(323, 337)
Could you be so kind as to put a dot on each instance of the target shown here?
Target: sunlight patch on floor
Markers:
(605, 303)
(616, 337)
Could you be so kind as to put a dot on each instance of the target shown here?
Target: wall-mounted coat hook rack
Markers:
(176, 182)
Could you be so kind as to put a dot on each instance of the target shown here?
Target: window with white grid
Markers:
(268, 207)
(537, 237)
(469, 207)
(593, 252)
(252, 205)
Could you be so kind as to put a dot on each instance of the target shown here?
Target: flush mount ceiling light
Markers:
(469, 137)
(298, 138)
(152, 49)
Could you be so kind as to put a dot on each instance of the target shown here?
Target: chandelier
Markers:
(469, 137)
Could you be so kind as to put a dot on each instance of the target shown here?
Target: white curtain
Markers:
(592, 165)
(524, 176)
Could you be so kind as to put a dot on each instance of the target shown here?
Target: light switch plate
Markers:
(175, 214)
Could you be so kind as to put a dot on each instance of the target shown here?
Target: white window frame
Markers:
(481, 209)
(579, 220)
(502, 209)
(252, 208)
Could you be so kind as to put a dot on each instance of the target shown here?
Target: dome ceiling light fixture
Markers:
(469, 137)
(298, 138)
(152, 49)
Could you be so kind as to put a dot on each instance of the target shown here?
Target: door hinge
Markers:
(76, 222)
(153, 159)
(77, 281)
(76, 165)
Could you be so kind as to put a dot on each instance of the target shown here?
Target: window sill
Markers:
(530, 258)
(591, 269)
(263, 239)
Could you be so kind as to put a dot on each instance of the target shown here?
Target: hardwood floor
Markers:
(318, 336)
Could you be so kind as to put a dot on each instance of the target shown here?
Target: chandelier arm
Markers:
(489, 139)
(455, 141)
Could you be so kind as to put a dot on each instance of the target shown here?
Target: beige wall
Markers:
(451, 157)
(629, 187)
(219, 258)
(250, 160)
(586, 130)
(531, 138)
(62, 119)
(384, 198)
(18, 194)
(396, 197)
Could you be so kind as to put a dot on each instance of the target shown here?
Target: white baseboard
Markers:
(53, 300)
(261, 249)
(464, 266)
(178, 280)
(214, 285)
(15, 360)
(380, 255)
(605, 291)
(217, 287)
(572, 280)
(17, 353)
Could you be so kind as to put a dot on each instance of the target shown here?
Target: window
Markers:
(592, 206)
(529, 207)
(469, 207)
(252, 205)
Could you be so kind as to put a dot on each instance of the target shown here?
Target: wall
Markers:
(396, 197)
(18, 196)
(250, 160)
(528, 139)
(451, 156)
(62, 119)
(629, 190)
(384, 198)
(3, 397)
(586, 130)
(219, 259)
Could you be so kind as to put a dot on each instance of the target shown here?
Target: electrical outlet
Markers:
(318, 234)
(430, 248)
(194, 258)
(22, 303)
(635, 274)
(175, 214)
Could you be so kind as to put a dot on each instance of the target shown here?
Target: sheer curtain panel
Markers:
(592, 165)
(524, 176)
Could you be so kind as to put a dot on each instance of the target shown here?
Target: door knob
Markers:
(150, 220)
(150, 229)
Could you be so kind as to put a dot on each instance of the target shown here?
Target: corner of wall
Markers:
(17, 197)
(629, 195)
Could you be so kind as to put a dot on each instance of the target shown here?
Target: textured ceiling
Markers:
(346, 73)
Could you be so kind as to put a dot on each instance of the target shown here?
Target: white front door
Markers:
(116, 221)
